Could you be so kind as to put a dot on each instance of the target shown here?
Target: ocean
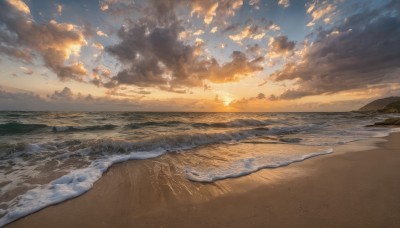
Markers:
(49, 157)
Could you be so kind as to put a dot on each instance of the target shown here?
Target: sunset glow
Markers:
(168, 113)
(265, 55)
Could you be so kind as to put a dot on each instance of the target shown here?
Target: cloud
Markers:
(231, 27)
(198, 32)
(362, 50)
(64, 100)
(100, 74)
(102, 70)
(97, 45)
(321, 10)
(19, 5)
(20, 101)
(249, 32)
(22, 54)
(22, 38)
(208, 9)
(101, 33)
(64, 94)
(251, 29)
(59, 9)
(67, 100)
(235, 70)
(253, 49)
(243, 102)
(117, 7)
(141, 91)
(27, 71)
(153, 55)
(274, 27)
(284, 3)
(261, 96)
(279, 46)
(255, 4)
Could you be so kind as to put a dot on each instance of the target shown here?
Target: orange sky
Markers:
(176, 55)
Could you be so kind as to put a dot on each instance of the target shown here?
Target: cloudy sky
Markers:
(198, 55)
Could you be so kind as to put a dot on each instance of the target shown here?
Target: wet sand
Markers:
(359, 188)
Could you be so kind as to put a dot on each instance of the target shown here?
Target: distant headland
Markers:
(384, 105)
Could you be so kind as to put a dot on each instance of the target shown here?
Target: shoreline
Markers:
(144, 194)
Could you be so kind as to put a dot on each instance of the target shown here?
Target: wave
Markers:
(171, 143)
(66, 187)
(81, 180)
(12, 115)
(246, 167)
(235, 123)
(154, 123)
(83, 128)
(12, 150)
(13, 128)
(229, 124)
(19, 128)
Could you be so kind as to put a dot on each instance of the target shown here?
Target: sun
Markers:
(227, 99)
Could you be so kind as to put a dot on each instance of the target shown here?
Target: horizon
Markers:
(261, 56)
(238, 112)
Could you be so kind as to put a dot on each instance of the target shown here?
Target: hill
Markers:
(392, 108)
(379, 104)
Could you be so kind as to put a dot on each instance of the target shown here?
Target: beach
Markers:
(233, 113)
(356, 186)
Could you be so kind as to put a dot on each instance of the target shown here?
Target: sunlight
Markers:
(213, 98)
(226, 100)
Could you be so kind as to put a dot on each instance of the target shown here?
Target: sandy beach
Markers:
(200, 113)
(357, 188)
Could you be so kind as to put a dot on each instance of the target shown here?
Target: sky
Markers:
(198, 55)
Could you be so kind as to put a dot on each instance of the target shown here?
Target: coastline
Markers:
(358, 188)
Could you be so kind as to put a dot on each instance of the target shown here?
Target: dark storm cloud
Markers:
(359, 51)
(22, 38)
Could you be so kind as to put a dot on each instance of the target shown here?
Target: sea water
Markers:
(48, 157)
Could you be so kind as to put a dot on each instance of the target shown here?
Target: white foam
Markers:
(247, 166)
(66, 187)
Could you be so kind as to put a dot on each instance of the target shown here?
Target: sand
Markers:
(355, 187)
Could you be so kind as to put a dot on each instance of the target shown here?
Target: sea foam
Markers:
(66, 187)
(247, 166)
